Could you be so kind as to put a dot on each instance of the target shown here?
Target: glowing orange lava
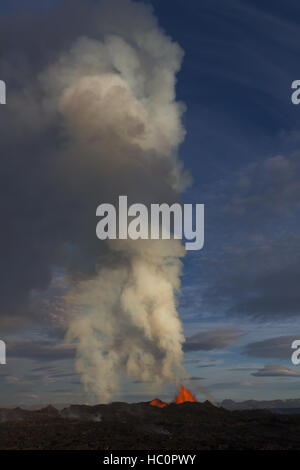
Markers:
(159, 403)
(184, 395)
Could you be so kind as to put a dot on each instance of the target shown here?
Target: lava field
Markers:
(123, 426)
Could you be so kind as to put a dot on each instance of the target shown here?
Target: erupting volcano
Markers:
(183, 396)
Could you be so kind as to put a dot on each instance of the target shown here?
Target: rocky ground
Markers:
(123, 426)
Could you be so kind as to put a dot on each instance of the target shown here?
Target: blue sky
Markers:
(242, 149)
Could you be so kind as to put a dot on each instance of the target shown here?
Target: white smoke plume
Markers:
(112, 97)
(127, 321)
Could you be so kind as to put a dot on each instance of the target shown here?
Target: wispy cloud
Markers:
(209, 340)
(274, 370)
(42, 351)
(273, 348)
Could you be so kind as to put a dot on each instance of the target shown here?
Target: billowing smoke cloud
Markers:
(127, 319)
(102, 121)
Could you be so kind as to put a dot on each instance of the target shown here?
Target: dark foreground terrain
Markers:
(122, 426)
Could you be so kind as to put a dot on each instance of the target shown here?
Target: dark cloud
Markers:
(44, 369)
(33, 377)
(274, 370)
(42, 351)
(272, 348)
(63, 390)
(209, 340)
(63, 375)
(141, 382)
(206, 365)
(200, 363)
(35, 215)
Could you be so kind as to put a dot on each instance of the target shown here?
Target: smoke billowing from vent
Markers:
(127, 319)
(106, 102)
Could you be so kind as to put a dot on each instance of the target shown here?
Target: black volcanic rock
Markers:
(15, 414)
(49, 411)
(123, 426)
(81, 413)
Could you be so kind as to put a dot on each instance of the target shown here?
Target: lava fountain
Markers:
(183, 396)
